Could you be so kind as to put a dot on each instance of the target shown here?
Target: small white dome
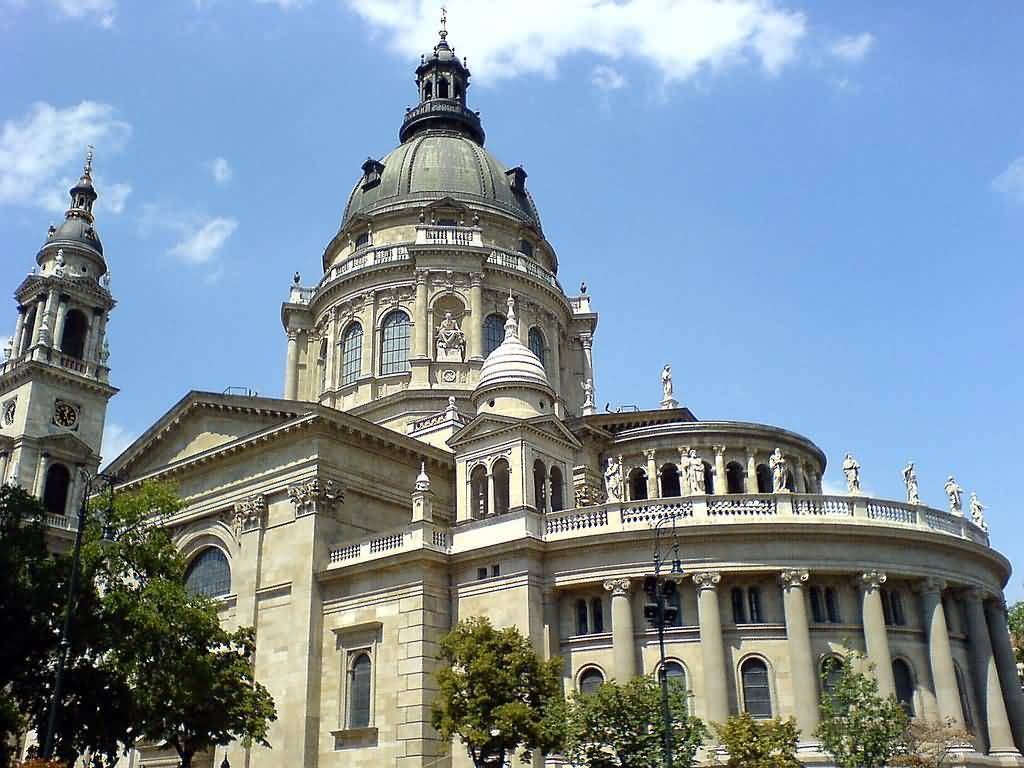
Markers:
(512, 362)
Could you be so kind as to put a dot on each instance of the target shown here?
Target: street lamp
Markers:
(660, 611)
(64, 647)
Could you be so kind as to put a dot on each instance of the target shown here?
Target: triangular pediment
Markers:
(68, 444)
(200, 422)
(487, 426)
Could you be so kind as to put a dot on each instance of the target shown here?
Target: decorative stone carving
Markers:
(250, 514)
(617, 586)
(707, 579)
(851, 468)
(588, 397)
(956, 496)
(59, 268)
(313, 496)
(910, 480)
(451, 341)
(613, 480)
(872, 579)
(978, 512)
(695, 474)
(45, 335)
(777, 464)
(667, 400)
(105, 281)
(794, 578)
(104, 352)
(587, 486)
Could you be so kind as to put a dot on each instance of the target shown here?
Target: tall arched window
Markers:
(670, 481)
(494, 333)
(757, 696)
(351, 354)
(582, 624)
(733, 478)
(709, 478)
(394, 346)
(764, 479)
(359, 692)
(442, 88)
(675, 673)
(55, 491)
(904, 685)
(590, 680)
(208, 574)
(557, 493)
(499, 476)
(831, 672)
(596, 615)
(76, 328)
(536, 342)
(637, 484)
(478, 491)
(540, 482)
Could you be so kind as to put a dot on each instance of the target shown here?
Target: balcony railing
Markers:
(432, 234)
(521, 263)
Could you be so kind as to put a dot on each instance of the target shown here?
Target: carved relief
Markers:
(872, 579)
(314, 496)
(250, 514)
(793, 578)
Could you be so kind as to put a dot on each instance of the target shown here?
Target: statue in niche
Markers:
(956, 496)
(695, 473)
(851, 468)
(59, 269)
(978, 512)
(588, 393)
(666, 383)
(910, 480)
(777, 464)
(613, 481)
(451, 341)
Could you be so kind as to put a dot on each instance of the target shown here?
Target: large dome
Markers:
(434, 164)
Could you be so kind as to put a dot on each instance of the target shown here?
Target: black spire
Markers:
(83, 194)
(78, 227)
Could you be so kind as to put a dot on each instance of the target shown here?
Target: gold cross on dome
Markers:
(444, 21)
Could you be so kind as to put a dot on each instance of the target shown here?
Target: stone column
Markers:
(986, 675)
(799, 477)
(798, 640)
(423, 330)
(40, 317)
(330, 377)
(291, 372)
(1006, 664)
(476, 320)
(751, 472)
(37, 487)
(99, 331)
(940, 656)
(19, 331)
(51, 308)
(653, 484)
(490, 494)
(716, 700)
(623, 652)
(58, 325)
(587, 342)
(3, 467)
(556, 361)
(721, 486)
(876, 635)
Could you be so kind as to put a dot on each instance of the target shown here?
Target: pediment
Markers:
(69, 444)
(486, 426)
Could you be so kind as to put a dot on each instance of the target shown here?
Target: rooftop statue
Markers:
(955, 494)
(910, 480)
(777, 463)
(666, 382)
(978, 512)
(613, 481)
(851, 468)
(588, 396)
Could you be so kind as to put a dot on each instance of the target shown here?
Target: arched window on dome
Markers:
(904, 680)
(55, 491)
(733, 477)
(557, 492)
(72, 339)
(709, 478)
(757, 695)
(764, 479)
(208, 574)
(494, 332)
(637, 484)
(525, 247)
(351, 354)
(535, 339)
(478, 491)
(590, 680)
(540, 481)
(670, 481)
(394, 348)
(500, 478)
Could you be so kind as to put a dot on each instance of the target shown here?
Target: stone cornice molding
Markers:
(931, 585)
(617, 587)
(872, 579)
(794, 578)
(707, 579)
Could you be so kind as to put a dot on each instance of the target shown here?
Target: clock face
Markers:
(65, 414)
(9, 410)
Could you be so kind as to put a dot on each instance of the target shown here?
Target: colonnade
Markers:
(997, 688)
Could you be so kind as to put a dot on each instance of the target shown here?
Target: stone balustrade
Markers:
(520, 263)
(447, 235)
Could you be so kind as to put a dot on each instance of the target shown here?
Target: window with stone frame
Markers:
(757, 696)
(208, 574)
(817, 606)
(892, 608)
(357, 647)
(746, 605)
(904, 680)
(535, 340)
(394, 349)
(351, 354)
(590, 680)
(494, 332)
(832, 611)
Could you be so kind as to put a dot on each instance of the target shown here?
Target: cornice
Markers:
(29, 369)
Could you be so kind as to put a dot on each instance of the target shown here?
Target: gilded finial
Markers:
(444, 22)
(89, 152)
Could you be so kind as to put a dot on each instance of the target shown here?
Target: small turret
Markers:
(76, 240)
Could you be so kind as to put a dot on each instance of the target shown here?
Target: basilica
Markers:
(437, 454)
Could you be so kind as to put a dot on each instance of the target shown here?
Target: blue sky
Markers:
(814, 211)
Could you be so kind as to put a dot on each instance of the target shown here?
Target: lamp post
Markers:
(64, 646)
(659, 612)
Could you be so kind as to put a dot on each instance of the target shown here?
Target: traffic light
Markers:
(651, 606)
(668, 592)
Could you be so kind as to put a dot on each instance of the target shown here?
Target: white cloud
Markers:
(221, 170)
(607, 78)
(202, 244)
(116, 440)
(852, 48)
(1011, 181)
(112, 197)
(680, 38)
(40, 150)
(103, 12)
(284, 5)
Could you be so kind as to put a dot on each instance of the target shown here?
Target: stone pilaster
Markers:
(1006, 664)
(19, 331)
(721, 486)
(587, 342)
(986, 674)
(623, 652)
(653, 486)
(876, 635)
(40, 481)
(751, 472)
(423, 330)
(716, 700)
(58, 325)
(798, 639)
(940, 656)
(476, 320)
(291, 371)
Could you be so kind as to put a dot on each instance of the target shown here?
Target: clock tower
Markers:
(54, 379)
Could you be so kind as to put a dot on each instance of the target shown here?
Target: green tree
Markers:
(859, 728)
(1016, 616)
(496, 694)
(759, 744)
(621, 726)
